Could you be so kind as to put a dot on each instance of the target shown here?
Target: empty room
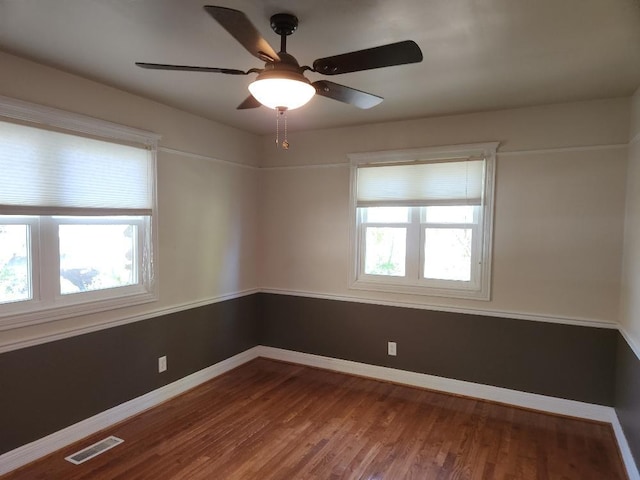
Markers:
(320, 240)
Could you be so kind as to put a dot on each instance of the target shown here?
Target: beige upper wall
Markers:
(30, 81)
(558, 215)
(601, 122)
(630, 291)
(207, 224)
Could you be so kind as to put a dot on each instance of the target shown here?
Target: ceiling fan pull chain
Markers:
(277, 127)
(281, 112)
(285, 143)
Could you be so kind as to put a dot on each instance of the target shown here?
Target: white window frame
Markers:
(479, 287)
(47, 303)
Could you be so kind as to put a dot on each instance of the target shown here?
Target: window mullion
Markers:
(413, 245)
(362, 245)
(389, 224)
(35, 269)
(49, 260)
(476, 253)
(462, 226)
(138, 254)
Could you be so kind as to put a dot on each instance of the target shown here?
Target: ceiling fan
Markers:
(281, 84)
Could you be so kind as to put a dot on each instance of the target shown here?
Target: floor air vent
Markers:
(94, 450)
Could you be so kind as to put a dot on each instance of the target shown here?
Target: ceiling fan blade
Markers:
(399, 53)
(345, 94)
(189, 68)
(249, 102)
(240, 27)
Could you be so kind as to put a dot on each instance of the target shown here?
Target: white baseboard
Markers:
(448, 385)
(49, 444)
(458, 387)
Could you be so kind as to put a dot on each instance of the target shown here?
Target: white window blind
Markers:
(45, 172)
(450, 182)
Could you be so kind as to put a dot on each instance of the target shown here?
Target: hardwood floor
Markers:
(273, 420)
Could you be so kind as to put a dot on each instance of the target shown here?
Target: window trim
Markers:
(15, 315)
(389, 157)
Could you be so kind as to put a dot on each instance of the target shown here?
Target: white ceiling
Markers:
(478, 54)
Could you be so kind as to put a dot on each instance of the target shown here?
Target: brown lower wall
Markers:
(627, 395)
(571, 362)
(48, 387)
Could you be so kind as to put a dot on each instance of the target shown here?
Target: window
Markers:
(77, 198)
(423, 220)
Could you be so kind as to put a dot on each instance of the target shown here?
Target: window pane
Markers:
(15, 281)
(450, 214)
(385, 251)
(95, 257)
(387, 214)
(447, 254)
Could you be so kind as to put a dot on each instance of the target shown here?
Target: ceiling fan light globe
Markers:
(282, 92)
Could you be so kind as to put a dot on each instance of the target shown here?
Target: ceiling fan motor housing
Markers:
(284, 23)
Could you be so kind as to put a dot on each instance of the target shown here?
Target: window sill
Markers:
(410, 289)
(38, 314)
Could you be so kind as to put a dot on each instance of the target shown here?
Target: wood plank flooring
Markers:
(273, 420)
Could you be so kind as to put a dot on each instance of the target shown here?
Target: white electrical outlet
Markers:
(162, 364)
(391, 348)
